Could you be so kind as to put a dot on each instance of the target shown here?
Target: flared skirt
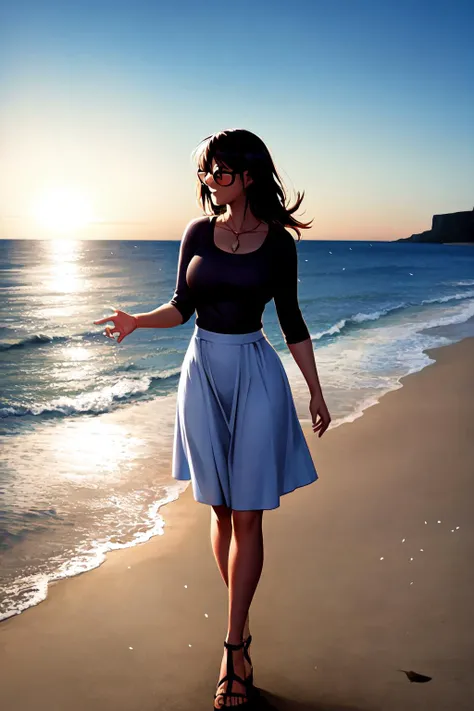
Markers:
(237, 436)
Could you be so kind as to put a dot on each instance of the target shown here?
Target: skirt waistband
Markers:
(236, 339)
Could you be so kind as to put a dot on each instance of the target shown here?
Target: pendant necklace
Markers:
(235, 245)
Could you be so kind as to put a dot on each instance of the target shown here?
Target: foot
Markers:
(239, 669)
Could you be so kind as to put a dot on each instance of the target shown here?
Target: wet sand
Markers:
(367, 571)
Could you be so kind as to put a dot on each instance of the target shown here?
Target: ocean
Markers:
(87, 423)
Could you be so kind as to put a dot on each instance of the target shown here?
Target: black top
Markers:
(229, 291)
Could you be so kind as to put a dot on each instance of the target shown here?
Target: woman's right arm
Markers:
(166, 316)
(181, 307)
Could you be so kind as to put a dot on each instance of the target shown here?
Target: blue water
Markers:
(87, 423)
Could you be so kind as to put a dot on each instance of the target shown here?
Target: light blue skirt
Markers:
(237, 435)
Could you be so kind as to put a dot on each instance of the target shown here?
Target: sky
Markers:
(367, 107)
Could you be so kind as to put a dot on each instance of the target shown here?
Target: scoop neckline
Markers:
(212, 223)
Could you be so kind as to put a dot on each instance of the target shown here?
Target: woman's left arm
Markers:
(292, 323)
(303, 354)
(295, 330)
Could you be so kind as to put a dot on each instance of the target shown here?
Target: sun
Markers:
(62, 209)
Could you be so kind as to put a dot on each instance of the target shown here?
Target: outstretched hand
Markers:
(123, 322)
(317, 406)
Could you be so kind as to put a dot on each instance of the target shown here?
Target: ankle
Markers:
(233, 639)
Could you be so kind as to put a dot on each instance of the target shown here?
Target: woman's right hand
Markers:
(123, 322)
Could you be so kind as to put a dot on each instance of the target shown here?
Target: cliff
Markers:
(453, 227)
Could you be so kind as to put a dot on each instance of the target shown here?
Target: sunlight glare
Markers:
(62, 210)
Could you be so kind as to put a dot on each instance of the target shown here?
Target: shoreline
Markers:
(306, 426)
(75, 647)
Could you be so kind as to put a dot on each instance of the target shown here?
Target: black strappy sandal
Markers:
(249, 679)
(230, 677)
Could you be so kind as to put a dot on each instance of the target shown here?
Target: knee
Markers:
(222, 514)
(243, 521)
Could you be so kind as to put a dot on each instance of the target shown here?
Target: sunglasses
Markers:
(220, 176)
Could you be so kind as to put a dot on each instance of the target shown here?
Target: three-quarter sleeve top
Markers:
(229, 291)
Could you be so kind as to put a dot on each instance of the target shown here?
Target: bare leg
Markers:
(221, 534)
(245, 562)
(245, 568)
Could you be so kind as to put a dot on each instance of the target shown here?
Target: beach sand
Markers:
(346, 598)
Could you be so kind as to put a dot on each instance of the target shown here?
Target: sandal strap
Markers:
(246, 648)
(231, 676)
(234, 647)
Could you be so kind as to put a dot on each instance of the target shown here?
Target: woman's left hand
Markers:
(317, 406)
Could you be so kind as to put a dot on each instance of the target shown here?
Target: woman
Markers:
(237, 436)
